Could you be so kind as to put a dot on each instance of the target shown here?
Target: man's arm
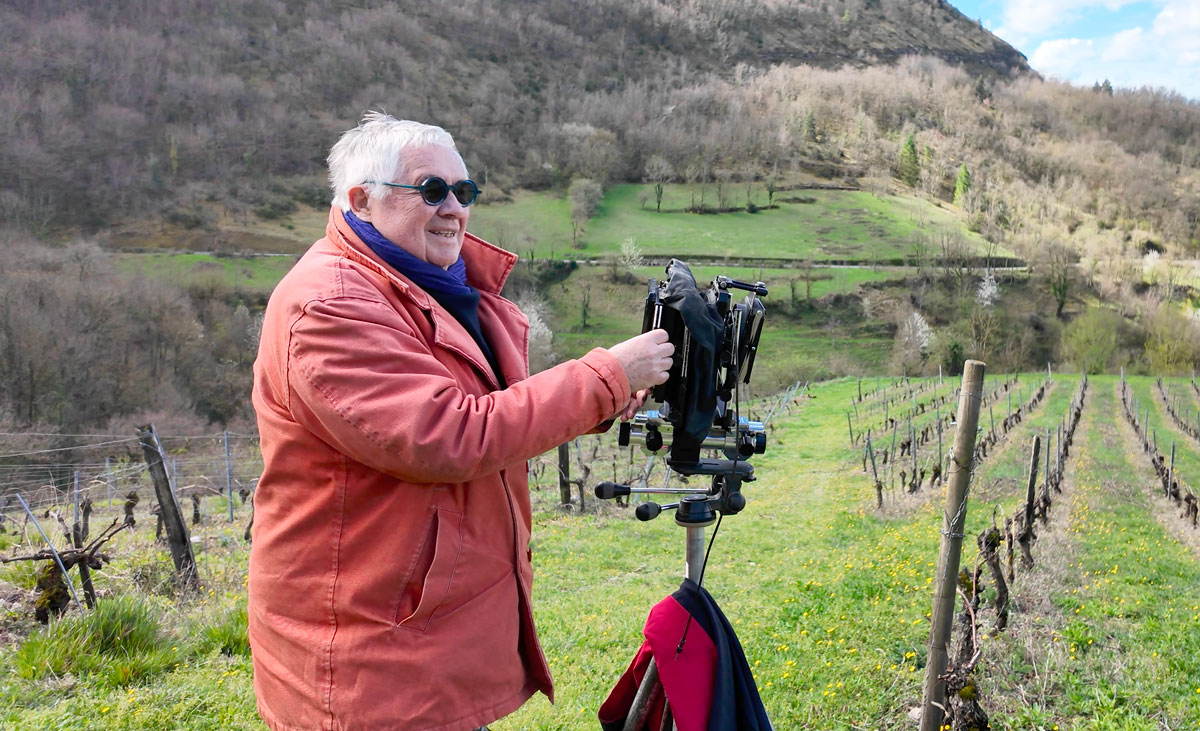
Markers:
(363, 382)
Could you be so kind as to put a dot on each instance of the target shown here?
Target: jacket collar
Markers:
(488, 266)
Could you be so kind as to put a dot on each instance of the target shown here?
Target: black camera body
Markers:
(716, 340)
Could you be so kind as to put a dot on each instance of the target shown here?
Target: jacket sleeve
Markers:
(361, 380)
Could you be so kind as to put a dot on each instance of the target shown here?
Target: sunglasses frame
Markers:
(423, 189)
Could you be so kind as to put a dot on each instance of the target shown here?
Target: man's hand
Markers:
(635, 403)
(646, 359)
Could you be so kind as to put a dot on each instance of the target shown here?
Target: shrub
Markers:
(118, 643)
(226, 631)
(276, 207)
(1090, 341)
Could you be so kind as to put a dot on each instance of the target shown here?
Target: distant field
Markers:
(821, 225)
(257, 274)
(835, 225)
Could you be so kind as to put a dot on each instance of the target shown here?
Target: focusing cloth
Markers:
(707, 330)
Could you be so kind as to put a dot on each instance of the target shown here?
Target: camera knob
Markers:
(654, 440)
(647, 511)
(734, 503)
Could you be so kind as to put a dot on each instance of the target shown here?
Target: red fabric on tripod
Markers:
(687, 677)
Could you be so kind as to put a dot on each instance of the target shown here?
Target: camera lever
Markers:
(696, 507)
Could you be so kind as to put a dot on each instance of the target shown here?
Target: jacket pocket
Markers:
(432, 570)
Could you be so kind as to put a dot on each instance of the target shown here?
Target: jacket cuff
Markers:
(610, 370)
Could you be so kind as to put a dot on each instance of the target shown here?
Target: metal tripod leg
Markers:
(650, 689)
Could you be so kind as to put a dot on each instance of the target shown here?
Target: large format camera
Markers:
(716, 340)
(715, 343)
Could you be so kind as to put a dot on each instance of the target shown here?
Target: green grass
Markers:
(257, 274)
(830, 599)
(537, 222)
(836, 225)
(119, 643)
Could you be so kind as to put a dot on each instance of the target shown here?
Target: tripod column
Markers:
(694, 567)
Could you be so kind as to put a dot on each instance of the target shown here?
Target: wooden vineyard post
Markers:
(850, 426)
(953, 522)
(1171, 472)
(912, 451)
(1046, 499)
(228, 476)
(564, 474)
(1026, 536)
(941, 457)
(875, 474)
(178, 539)
(891, 455)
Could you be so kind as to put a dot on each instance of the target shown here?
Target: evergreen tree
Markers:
(980, 88)
(810, 127)
(910, 163)
(962, 185)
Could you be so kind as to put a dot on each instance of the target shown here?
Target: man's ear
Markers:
(358, 202)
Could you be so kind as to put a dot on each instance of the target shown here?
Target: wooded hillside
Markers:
(147, 108)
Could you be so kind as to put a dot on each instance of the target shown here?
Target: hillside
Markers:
(120, 109)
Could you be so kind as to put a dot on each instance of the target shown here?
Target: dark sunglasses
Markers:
(434, 190)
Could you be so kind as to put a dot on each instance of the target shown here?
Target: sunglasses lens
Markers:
(434, 191)
(466, 192)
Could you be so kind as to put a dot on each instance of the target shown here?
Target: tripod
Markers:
(695, 510)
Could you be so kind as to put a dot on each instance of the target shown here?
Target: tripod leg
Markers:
(647, 696)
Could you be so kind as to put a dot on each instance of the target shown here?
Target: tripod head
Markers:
(716, 341)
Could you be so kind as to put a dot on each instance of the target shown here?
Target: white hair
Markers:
(374, 151)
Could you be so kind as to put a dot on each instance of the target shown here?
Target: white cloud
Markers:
(1033, 18)
(1168, 55)
(1124, 46)
(1064, 58)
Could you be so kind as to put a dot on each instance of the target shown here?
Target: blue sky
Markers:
(1131, 43)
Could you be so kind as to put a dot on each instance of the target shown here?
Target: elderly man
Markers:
(390, 570)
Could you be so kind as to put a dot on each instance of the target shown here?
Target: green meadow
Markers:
(822, 225)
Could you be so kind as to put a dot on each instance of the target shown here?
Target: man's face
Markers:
(430, 233)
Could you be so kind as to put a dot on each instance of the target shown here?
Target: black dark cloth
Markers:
(696, 396)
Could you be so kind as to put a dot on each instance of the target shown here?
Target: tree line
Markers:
(85, 345)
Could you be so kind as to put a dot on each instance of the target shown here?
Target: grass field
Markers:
(835, 225)
(830, 597)
(257, 274)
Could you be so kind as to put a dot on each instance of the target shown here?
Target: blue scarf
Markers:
(448, 286)
(429, 277)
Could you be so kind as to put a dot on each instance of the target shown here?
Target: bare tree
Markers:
(658, 171)
(1060, 275)
(585, 196)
